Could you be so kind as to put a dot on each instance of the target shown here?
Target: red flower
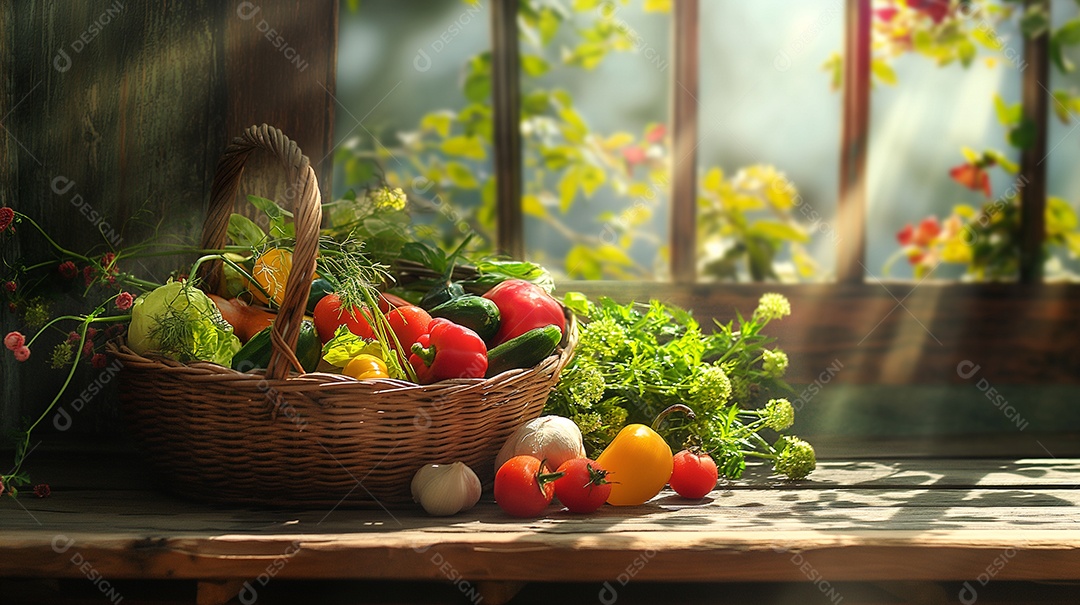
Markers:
(22, 353)
(91, 333)
(7, 215)
(88, 348)
(88, 274)
(886, 14)
(14, 340)
(73, 337)
(98, 360)
(10, 286)
(107, 259)
(935, 9)
(68, 270)
(928, 229)
(904, 236)
(972, 176)
(42, 490)
(14, 308)
(114, 330)
(633, 156)
(124, 301)
(656, 133)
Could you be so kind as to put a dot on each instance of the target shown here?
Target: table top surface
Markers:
(917, 519)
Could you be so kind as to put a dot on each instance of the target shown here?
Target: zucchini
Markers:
(320, 287)
(255, 354)
(474, 312)
(524, 351)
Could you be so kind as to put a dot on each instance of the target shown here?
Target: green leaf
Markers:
(344, 346)
(1008, 115)
(535, 103)
(1060, 101)
(243, 231)
(439, 121)
(548, 25)
(574, 128)
(534, 66)
(1057, 55)
(1069, 33)
(578, 303)
(657, 6)
(478, 87)
(1002, 160)
(883, 71)
(1023, 136)
(778, 231)
(531, 206)
(592, 177)
(587, 55)
(461, 176)
(1035, 21)
(568, 185)
(275, 213)
(466, 147)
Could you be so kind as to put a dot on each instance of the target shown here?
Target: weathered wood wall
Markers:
(122, 108)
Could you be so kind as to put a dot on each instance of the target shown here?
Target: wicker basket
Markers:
(281, 438)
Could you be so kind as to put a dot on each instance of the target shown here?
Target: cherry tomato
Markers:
(584, 487)
(364, 366)
(693, 474)
(523, 487)
(329, 314)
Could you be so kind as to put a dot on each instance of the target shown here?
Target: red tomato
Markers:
(329, 315)
(408, 323)
(523, 488)
(693, 474)
(583, 488)
(522, 307)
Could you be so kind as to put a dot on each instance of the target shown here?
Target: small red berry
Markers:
(98, 360)
(124, 300)
(10, 286)
(88, 347)
(14, 340)
(22, 353)
(68, 270)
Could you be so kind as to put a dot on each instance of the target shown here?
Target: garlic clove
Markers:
(446, 489)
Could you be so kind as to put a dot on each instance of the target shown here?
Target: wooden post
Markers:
(851, 212)
(506, 109)
(684, 127)
(1033, 159)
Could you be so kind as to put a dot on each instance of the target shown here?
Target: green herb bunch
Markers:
(632, 361)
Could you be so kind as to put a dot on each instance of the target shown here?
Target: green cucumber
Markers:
(255, 354)
(320, 287)
(474, 312)
(524, 351)
(440, 294)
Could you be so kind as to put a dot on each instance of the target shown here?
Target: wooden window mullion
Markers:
(506, 117)
(851, 210)
(684, 127)
(1033, 159)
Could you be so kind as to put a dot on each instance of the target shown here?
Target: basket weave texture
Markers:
(282, 438)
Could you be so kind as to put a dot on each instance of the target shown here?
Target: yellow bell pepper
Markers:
(638, 461)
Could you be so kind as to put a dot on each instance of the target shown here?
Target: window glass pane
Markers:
(414, 107)
(1063, 147)
(770, 129)
(945, 129)
(595, 83)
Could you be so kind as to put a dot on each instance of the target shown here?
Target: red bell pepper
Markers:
(524, 306)
(447, 351)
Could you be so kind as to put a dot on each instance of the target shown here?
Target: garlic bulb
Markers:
(551, 438)
(446, 489)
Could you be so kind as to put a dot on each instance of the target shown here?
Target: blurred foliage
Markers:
(985, 240)
(441, 164)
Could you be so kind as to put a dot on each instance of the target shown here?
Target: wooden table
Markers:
(966, 528)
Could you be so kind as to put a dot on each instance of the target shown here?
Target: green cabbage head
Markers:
(180, 322)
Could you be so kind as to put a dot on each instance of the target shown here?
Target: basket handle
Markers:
(307, 216)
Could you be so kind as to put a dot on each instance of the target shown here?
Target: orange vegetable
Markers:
(638, 461)
(247, 321)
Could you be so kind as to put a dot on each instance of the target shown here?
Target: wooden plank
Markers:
(854, 136)
(1035, 100)
(899, 333)
(111, 123)
(280, 69)
(682, 237)
(506, 117)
